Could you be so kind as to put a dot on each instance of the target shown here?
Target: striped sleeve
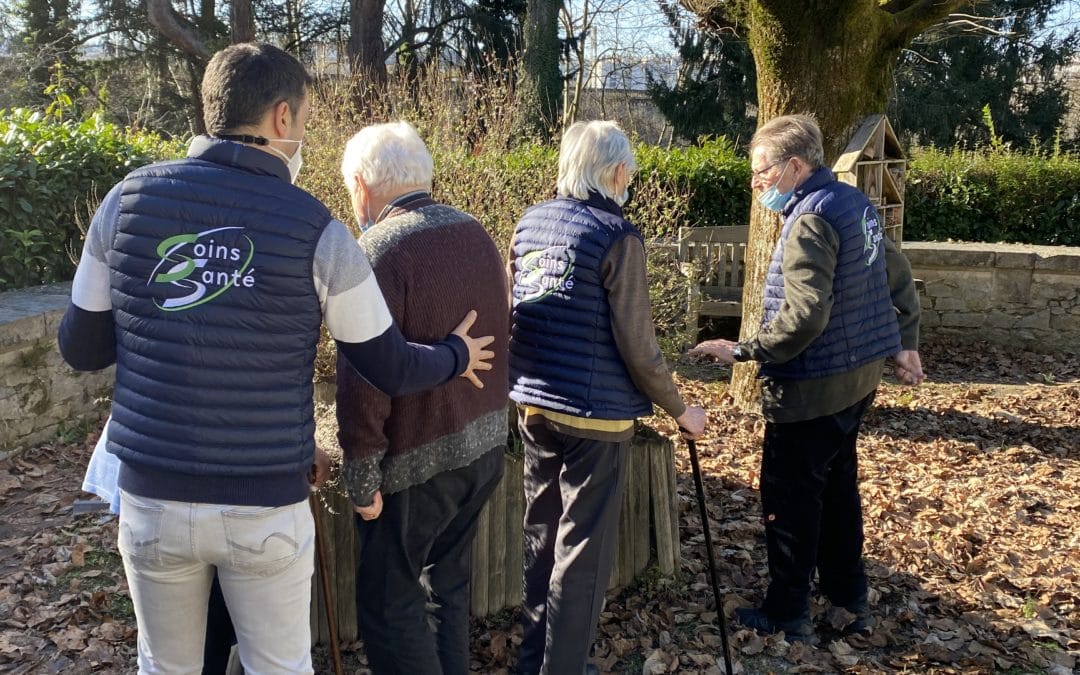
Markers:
(352, 304)
(87, 334)
(357, 317)
(90, 289)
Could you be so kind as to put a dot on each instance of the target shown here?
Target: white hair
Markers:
(389, 157)
(589, 154)
(790, 136)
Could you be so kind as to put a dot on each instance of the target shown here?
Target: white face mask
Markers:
(295, 162)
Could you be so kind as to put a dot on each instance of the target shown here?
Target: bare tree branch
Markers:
(915, 16)
(168, 22)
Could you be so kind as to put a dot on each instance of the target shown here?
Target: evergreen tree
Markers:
(950, 74)
(714, 92)
(46, 46)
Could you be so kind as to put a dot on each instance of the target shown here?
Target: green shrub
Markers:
(52, 173)
(711, 182)
(998, 195)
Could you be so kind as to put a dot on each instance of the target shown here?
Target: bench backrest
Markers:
(716, 254)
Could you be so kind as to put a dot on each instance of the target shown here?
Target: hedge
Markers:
(1027, 198)
(52, 172)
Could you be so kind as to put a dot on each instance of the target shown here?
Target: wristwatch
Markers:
(740, 353)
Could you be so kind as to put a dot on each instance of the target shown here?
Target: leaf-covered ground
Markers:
(971, 491)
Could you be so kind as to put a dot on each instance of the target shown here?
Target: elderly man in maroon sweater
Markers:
(419, 468)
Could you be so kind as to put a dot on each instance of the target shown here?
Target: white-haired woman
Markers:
(584, 364)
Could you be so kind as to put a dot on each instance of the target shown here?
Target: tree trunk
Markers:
(241, 22)
(367, 52)
(539, 86)
(833, 59)
(835, 62)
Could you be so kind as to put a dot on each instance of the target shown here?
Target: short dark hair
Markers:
(245, 80)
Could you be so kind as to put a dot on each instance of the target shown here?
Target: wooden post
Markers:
(648, 515)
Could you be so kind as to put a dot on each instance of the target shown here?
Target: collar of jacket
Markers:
(599, 201)
(817, 180)
(237, 155)
(405, 202)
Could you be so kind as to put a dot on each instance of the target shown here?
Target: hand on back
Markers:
(479, 358)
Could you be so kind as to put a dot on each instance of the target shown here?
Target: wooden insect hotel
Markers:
(874, 162)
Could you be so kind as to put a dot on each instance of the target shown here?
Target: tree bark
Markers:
(539, 87)
(833, 59)
(367, 52)
(241, 22)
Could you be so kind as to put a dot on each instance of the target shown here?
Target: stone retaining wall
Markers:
(1001, 292)
(1008, 293)
(40, 396)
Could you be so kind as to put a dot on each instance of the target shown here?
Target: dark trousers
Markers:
(813, 515)
(422, 540)
(220, 634)
(573, 494)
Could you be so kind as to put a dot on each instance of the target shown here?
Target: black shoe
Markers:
(863, 622)
(798, 629)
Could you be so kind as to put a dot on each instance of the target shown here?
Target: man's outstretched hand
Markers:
(721, 350)
(479, 358)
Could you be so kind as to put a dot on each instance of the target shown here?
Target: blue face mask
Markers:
(773, 199)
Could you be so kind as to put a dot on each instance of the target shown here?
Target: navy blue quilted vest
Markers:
(563, 355)
(217, 322)
(862, 326)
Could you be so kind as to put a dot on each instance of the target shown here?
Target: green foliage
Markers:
(716, 82)
(1029, 198)
(710, 180)
(950, 77)
(51, 173)
(497, 187)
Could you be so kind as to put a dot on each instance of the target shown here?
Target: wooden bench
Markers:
(714, 259)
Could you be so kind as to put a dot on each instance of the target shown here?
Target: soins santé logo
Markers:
(872, 234)
(541, 273)
(196, 268)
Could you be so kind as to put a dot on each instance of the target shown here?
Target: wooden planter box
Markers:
(648, 530)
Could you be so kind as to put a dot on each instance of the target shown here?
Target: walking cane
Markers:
(719, 599)
(328, 598)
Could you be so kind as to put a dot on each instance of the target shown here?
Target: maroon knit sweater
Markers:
(433, 264)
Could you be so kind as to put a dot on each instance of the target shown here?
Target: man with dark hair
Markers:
(839, 300)
(206, 281)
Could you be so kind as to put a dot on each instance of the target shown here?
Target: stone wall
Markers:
(1006, 293)
(40, 396)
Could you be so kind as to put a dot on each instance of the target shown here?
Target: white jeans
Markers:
(264, 559)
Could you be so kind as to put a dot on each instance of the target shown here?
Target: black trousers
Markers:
(422, 540)
(573, 494)
(813, 515)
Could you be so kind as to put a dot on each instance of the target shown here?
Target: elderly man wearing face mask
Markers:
(584, 364)
(839, 300)
(419, 468)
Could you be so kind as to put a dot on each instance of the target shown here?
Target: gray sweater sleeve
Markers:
(623, 273)
(809, 267)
